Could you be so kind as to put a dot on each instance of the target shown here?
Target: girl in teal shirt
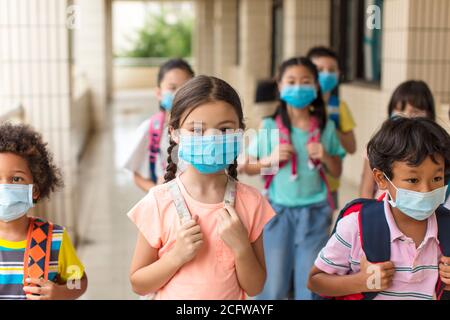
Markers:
(293, 238)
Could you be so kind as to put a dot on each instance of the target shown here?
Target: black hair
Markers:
(194, 93)
(318, 110)
(321, 51)
(417, 94)
(174, 64)
(325, 52)
(24, 141)
(409, 140)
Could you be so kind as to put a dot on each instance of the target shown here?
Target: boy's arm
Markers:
(335, 285)
(49, 290)
(371, 278)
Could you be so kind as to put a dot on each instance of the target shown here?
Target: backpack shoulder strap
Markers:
(156, 128)
(180, 204)
(178, 200)
(443, 221)
(285, 135)
(38, 249)
(230, 192)
(374, 234)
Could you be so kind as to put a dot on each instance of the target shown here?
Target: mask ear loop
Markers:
(390, 199)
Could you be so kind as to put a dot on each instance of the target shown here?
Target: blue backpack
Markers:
(376, 238)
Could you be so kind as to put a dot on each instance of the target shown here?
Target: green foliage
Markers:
(159, 39)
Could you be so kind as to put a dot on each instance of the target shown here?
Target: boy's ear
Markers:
(380, 179)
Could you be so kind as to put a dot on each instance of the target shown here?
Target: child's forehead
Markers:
(175, 76)
(430, 163)
(10, 161)
(325, 61)
(211, 114)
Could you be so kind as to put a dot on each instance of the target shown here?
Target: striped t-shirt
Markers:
(416, 269)
(62, 260)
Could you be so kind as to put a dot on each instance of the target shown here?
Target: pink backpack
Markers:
(155, 133)
(313, 136)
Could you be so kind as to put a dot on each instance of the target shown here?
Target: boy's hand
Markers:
(188, 243)
(45, 290)
(444, 271)
(232, 231)
(376, 277)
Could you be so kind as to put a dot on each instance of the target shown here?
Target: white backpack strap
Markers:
(180, 205)
(230, 192)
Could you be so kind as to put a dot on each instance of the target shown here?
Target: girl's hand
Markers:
(316, 151)
(188, 243)
(232, 231)
(444, 271)
(370, 271)
(283, 152)
(45, 290)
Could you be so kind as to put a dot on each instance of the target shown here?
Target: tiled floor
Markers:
(108, 192)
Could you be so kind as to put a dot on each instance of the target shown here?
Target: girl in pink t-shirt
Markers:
(201, 231)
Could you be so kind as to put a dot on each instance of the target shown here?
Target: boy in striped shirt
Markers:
(410, 159)
(31, 246)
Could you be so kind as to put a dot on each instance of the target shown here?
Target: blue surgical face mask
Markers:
(328, 81)
(417, 205)
(210, 154)
(167, 100)
(299, 96)
(15, 201)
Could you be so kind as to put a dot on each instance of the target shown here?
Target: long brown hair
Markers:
(194, 93)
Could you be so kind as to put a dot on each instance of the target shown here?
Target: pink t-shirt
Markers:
(212, 273)
(416, 269)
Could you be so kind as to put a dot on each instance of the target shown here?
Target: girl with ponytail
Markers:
(217, 251)
(299, 158)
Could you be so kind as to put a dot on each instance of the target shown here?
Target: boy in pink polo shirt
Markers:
(410, 159)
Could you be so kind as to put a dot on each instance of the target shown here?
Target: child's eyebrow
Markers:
(20, 171)
(226, 121)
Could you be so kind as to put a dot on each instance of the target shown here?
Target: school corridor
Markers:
(59, 73)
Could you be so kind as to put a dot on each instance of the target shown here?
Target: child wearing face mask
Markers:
(327, 63)
(200, 233)
(147, 159)
(396, 247)
(306, 150)
(412, 98)
(37, 258)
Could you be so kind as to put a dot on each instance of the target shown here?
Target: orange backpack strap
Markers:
(37, 253)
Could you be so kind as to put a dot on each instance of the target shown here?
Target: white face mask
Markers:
(15, 201)
(417, 205)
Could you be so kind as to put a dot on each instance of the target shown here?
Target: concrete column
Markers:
(204, 37)
(35, 71)
(93, 53)
(225, 37)
(255, 60)
(306, 24)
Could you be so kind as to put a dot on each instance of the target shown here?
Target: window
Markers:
(238, 32)
(358, 46)
(277, 35)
